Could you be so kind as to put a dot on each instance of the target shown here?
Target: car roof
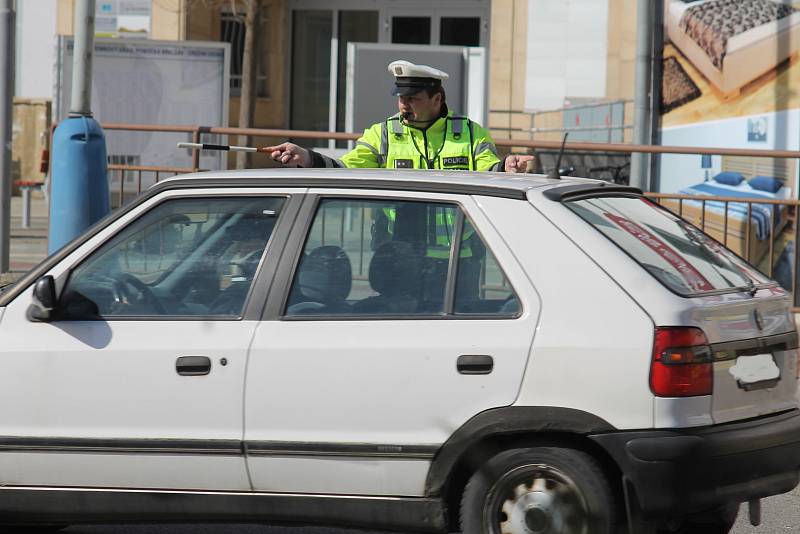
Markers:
(498, 184)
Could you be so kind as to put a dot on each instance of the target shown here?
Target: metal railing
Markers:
(712, 214)
(139, 175)
(742, 239)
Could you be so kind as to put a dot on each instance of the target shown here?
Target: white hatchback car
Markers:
(415, 351)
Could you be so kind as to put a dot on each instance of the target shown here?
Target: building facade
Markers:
(303, 45)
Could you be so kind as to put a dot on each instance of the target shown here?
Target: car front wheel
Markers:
(541, 490)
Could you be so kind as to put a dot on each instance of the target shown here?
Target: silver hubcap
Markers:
(544, 501)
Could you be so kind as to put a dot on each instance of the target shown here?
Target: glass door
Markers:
(311, 70)
(354, 27)
(319, 64)
(320, 35)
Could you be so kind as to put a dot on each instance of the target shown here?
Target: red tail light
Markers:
(681, 365)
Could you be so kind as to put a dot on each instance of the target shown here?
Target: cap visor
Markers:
(406, 90)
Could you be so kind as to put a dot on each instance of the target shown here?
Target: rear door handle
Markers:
(193, 365)
(475, 364)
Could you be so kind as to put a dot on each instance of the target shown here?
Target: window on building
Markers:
(411, 30)
(460, 31)
(232, 30)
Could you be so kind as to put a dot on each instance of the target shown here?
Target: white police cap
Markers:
(411, 79)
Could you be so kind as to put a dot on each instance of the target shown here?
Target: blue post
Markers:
(79, 185)
(78, 182)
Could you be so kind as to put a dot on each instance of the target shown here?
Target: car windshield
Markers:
(676, 253)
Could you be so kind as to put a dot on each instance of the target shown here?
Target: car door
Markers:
(392, 331)
(137, 379)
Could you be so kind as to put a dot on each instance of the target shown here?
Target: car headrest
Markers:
(325, 275)
(395, 269)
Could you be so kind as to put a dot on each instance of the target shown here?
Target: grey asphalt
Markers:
(780, 515)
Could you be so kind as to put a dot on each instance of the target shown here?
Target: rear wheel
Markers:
(542, 490)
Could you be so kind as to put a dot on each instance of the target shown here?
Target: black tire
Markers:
(558, 491)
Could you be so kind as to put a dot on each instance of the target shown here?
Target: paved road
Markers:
(781, 515)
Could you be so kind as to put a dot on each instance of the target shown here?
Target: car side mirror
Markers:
(44, 300)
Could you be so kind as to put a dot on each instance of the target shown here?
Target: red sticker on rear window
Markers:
(694, 280)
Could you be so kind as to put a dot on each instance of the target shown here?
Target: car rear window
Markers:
(676, 253)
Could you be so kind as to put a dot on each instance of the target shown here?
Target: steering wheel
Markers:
(123, 282)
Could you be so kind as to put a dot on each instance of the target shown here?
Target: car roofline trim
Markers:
(422, 186)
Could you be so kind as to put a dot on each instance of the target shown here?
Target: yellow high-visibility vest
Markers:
(451, 142)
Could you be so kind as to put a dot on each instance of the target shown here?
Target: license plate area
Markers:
(756, 371)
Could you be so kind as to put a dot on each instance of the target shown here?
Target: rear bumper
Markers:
(680, 471)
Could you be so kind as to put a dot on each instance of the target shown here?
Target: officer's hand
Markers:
(289, 154)
(517, 163)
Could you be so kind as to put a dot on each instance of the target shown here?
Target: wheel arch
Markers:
(499, 429)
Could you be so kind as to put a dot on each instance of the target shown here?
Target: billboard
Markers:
(729, 70)
(152, 82)
(122, 18)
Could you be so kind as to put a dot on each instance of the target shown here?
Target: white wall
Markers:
(36, 46)
(566, 53)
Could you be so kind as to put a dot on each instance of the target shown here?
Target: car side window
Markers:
(184, 257)
(391, 258)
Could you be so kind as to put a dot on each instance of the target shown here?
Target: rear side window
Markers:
(676, 253)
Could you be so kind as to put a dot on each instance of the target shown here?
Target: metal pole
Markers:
(26, 206)
(7, 47)
(641, 106)
(79, 194)
(81, 99)
(655, 90)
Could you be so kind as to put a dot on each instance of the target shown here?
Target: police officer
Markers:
(424, 134)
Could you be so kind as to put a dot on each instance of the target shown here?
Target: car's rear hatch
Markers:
(749, 333)
(754, 355)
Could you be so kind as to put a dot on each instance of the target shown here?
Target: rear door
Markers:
(387, 338)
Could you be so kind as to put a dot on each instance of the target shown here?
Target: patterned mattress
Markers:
(710, 24)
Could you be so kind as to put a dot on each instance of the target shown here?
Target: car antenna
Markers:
(555, 173)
